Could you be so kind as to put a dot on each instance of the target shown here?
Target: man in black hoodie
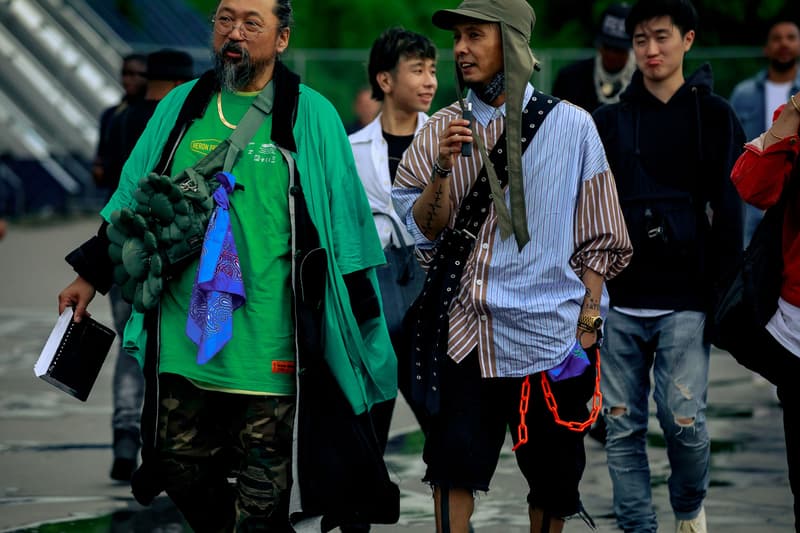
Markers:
(671, 143)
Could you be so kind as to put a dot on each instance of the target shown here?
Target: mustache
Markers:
(236, 48)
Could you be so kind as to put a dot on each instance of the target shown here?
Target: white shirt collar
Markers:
(484, 113)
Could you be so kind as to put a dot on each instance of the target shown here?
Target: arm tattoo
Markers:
(433, 207)
(589, 302)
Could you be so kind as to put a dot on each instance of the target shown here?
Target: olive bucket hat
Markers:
(516, 19)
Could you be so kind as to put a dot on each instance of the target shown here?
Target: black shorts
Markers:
(464, 441)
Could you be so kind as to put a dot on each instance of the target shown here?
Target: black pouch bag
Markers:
(750, 295)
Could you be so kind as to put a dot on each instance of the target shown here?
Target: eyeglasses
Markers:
(128, 72)
(248, 29)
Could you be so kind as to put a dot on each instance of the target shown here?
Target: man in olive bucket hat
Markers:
(502, 324)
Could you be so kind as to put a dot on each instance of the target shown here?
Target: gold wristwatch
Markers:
(590, 323)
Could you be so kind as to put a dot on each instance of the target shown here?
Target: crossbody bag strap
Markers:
(247, 128)
(287, 85)
(403, 253)
(397, 228)
(430, 310)
(193, 108)
(474, 207)
(225, 154)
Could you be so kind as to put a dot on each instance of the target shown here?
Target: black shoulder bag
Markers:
(750, 295)
(426, 321)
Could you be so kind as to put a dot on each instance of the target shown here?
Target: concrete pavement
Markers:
(55, 451)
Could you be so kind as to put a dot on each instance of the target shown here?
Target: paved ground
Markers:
(55, 451)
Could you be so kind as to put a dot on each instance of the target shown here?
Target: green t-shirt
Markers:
(360, 356)
(260, 357)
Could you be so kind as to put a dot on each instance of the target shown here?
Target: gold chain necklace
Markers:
(219, 112)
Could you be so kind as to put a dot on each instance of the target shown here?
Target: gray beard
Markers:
(235, 76)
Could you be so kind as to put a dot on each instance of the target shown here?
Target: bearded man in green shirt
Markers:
(305, 331)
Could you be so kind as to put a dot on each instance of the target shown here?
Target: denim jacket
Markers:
(747, 99)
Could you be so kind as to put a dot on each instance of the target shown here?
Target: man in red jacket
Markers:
(769, 165)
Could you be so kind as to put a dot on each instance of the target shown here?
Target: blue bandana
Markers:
(218, 287)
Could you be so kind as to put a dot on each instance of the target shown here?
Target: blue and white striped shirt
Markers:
(520, 308)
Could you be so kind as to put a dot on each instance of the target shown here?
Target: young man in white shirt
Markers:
(402, 75)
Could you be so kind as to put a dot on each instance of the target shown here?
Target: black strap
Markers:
(430, 310)
(762, 261)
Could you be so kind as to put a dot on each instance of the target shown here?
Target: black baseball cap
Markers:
(169, 64)
(611, 31)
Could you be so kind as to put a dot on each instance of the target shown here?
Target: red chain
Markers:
(552, 405)
(522, 430)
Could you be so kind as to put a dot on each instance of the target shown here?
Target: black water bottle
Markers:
(466, 148)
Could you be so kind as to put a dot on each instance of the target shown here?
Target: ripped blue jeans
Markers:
(673, 346)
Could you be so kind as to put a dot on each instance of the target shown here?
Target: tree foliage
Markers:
(566, 23)
(354, 24)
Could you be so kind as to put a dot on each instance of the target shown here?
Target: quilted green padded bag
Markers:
(164, 232)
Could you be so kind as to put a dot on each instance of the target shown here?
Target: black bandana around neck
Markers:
(492, 90)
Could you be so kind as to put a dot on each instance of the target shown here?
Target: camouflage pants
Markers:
(207, 438)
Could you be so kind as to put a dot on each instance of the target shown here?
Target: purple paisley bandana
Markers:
(574, 365)
(218, 287)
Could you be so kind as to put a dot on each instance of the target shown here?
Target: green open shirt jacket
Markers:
(361, 358)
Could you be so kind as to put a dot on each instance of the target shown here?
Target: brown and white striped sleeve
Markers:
(601, 236)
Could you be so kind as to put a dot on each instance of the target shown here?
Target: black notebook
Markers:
(74, 354)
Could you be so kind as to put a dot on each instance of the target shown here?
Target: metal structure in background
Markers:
(55, 78)
(91, 32)
(51, 77)
(59, 68)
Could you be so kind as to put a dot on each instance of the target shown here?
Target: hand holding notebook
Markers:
(74, 353)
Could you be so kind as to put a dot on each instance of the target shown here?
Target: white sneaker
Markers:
(695, 525)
